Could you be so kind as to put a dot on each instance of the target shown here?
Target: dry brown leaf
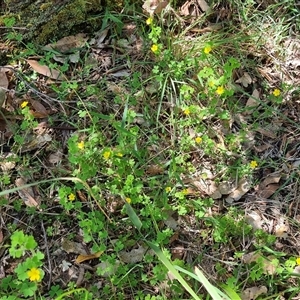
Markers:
(100, 37)
(56, 157)
(242, 189)
(203, 5)
(245, 80)
(268, 190)
(121, 73)
(269, 263)
(3, 79)
(81, 258)
(253, 292)
(262, 148)
(254, 219)
(281, 231)
(170, 222)
(154, 6)
(178, 252)
(282, 227)
(7, 161)
(134, 256)
(35, 142)
(252, 101)
(155, 170)
(39, 109)
(68, 43)
(269, 185)
(226, 187)
(190, 9)
(271, 178)
(73, 247)
(266, 133)
(44, 70)
(27, 193)
(209, 187)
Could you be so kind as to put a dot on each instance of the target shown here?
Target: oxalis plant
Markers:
(28, 273)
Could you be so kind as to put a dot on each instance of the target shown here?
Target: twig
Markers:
(14, 27)
(48, 255)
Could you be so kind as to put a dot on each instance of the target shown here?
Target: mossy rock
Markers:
(50, 20)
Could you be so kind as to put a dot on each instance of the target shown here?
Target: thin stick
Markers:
(48, 255)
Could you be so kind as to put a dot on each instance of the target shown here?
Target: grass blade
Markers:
(172, 269)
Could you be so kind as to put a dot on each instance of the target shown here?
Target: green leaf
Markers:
(133, 216)
(172, 269)
(28, 288)
(31, 244)
(230, 292)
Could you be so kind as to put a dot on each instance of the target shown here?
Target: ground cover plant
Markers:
(156, 158)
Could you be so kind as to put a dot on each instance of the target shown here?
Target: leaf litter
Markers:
(267, 142)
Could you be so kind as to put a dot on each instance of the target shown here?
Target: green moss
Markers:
(70, 15)
(52, 20)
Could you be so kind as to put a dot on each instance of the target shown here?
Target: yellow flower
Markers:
(119, 154)
(253, 164)
(106, 155)
(149, 21)
(276, 92)
(34, 274)
(71, 197)
(80, 145)
(198, 139)
(207, 49)
(168, 189)
(220, 90)
(24, 104)
(185, 191)
(128, 200)
(298, 261)
(186, 111)
(154, 48)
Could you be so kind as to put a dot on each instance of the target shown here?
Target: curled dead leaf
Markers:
(253, 292)
(44, 70)
(134, 256)
(26, 193)
(73, 247)
(242, 189)
(82, 257)
(68, 43)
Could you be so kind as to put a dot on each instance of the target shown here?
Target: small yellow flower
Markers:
(298, 261)
(34, 274)
(220, 90)
(185, 191)
(128, 200)
(71, 197)
(24, 104)
(253, 164)
(198, 139)
(149, 21)
(106, 155)
(168, 189)
(80, 145)
(119, 154)
(154, 48)
(276, 92)
(207, 49)
(186, 111)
